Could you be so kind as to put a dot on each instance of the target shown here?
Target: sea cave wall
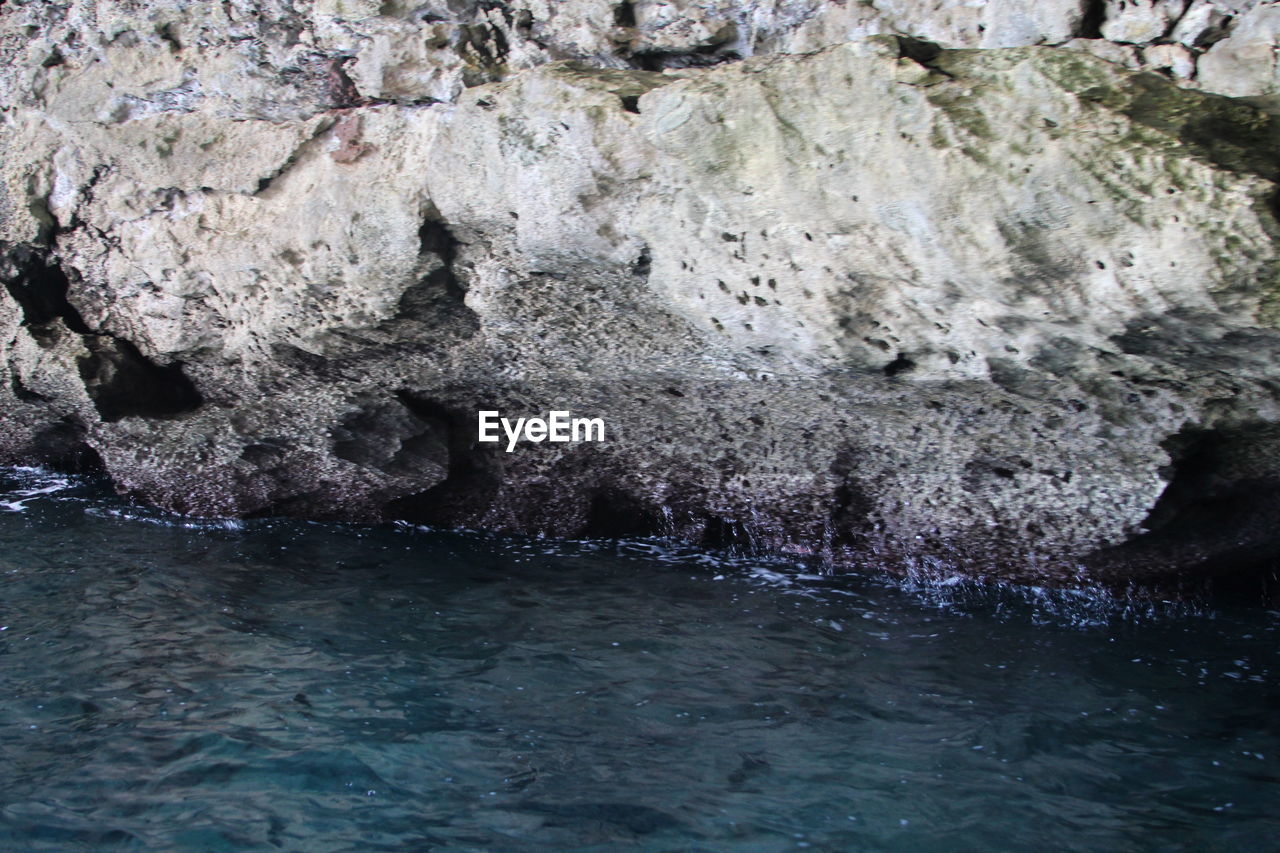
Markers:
(938, 286)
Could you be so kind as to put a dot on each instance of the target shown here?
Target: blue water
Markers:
(183, 686)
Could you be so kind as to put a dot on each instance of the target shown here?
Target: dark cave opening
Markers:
(614, 514)
(122, 382)
(1218, 519)
(63, 447)
(1092, 16)
(39, 285)
(624, 14)
(119, 379)
(474, 471)
(434, 238)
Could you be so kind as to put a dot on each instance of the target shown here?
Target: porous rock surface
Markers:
(935, 285)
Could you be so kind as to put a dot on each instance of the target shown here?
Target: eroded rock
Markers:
(880, 301)
(1244, 63)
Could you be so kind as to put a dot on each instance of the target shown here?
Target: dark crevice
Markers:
(1210, 470)
(63, 447)
(118, 378)
(624, 15)
(1220, 512)
(918, 50)
(500, 46)
(1215, 34)
(501, 7)
(37, 282)
(1167, 36)
(643, 264)
(476, 37)
(630, 103)
(474, 471)
(699, 57)
(88, 196)
(899, 366)
(434, 238)
(169, 33)
(342, 91)
(435, 305)
(385, 435)
(265, 454)
(1092, 16)
(848, 522)
(23, 393)
(923, 53)
(524, 24)
(733, 535)
(1189, 474)
(614, 514)
(122, 382)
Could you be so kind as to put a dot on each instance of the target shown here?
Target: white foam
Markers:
(161, 519)
(31, 483)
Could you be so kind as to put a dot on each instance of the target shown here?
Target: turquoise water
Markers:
(181, 686)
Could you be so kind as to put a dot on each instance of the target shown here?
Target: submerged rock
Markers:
(1009, 311)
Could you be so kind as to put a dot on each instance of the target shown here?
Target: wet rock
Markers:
(882, 301)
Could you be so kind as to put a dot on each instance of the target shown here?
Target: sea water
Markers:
(175, 685)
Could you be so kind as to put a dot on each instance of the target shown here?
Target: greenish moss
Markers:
(597, 114)
(514, 132)
(1078, 72)
(962, 111)
(1268, 272)
(980, 63)
(1170, 131)
(1114, 179)
(1226, 132)
(619, 82)
(779, 109)
(1105, 96)
(165, 146)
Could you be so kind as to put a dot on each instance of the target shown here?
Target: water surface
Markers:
(186, 686)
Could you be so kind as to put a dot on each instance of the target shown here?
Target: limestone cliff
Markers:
(935, 285)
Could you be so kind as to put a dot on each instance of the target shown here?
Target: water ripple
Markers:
(181, 686)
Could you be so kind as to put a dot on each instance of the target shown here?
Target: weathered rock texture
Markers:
(996, 306)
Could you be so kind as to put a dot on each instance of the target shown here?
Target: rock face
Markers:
(997, 306)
